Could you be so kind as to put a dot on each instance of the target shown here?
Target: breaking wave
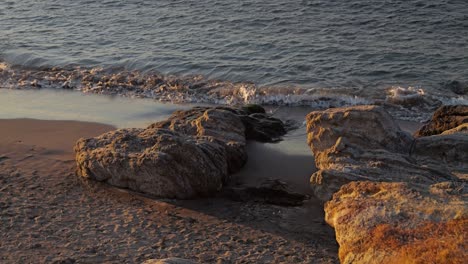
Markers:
(409, 103)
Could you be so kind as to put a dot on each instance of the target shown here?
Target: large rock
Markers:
(190, 154)
(363, 143)
(396, 198)
(450, 150)
(444, 118)
(400, 222)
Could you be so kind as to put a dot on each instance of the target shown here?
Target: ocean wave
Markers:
(410, 103)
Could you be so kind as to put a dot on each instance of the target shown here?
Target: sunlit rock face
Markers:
(363, 143)
(383, 222)
(445, 118)
(391, 198)
(188, 155)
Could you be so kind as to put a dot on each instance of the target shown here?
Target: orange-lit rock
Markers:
(377, 222)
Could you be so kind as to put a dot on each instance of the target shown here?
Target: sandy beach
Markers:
(48, 215)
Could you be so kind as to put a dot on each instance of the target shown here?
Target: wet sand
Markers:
(48, 215)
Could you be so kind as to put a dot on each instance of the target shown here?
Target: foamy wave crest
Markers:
(406, 103)
(175, 89)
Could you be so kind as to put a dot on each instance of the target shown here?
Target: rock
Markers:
(396, 199)
(355, 124)
(222, 124)
(256, 126)
(159, 162)
(363, 143)
(3, 157)
(169, 261)
(253, 109)
(461, 129)
(263, 128)
(375, 165)
(190, 154)
(444, 118)
(270, 192)
(449, 149)
(457, 87)
(382, 222)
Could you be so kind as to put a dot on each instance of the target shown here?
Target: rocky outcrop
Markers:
(190, 154)
(363, 143)
(444, 118)
(380, 222)
(396, 198)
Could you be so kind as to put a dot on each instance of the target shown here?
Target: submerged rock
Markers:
(457, 87)
(190, 154)
(380, 222)
(444, 118)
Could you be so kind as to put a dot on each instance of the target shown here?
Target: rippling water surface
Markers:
(359, 47)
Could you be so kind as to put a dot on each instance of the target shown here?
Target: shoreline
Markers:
(49, 215)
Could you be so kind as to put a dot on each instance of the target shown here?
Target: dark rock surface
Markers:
(457, 87)
(270, 192)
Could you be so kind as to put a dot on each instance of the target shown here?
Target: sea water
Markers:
(410, 56)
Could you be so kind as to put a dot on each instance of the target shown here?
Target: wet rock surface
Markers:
(391, 198)
(190, 154)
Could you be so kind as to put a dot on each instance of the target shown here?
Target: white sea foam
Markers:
(407, 103)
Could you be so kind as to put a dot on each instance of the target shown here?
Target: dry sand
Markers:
(47, 215)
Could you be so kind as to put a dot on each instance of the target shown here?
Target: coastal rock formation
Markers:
(380, 222)
(190, 154)
(363, 143)
(394, 198)
(444, 118)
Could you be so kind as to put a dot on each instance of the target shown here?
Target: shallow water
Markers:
(68, 105)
